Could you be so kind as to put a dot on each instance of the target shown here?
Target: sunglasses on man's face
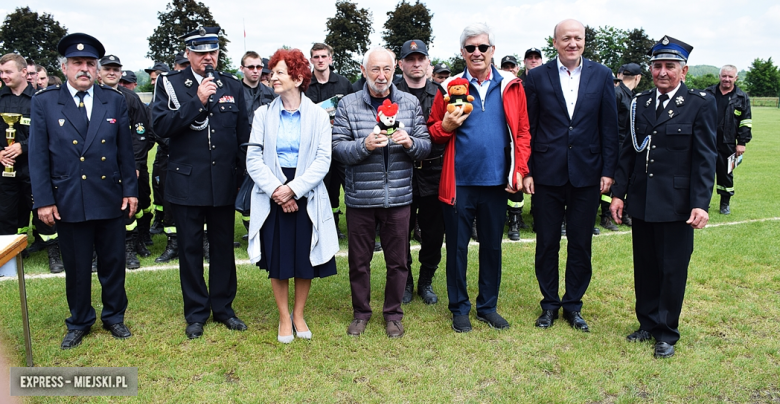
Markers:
(471, 48)
(254, 67)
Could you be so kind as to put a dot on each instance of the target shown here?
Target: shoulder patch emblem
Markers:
(139, 128)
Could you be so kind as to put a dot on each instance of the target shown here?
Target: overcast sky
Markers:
(721, 32)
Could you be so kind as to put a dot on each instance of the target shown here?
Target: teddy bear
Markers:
(458, 95)
(386, 118)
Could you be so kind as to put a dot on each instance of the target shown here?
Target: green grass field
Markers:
(729, 325)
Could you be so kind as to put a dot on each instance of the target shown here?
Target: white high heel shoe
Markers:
(301, 334)
(285, 339)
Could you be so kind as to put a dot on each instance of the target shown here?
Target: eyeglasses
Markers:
(255, 67)
(471, 48)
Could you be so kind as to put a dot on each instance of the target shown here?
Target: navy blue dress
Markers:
(285, 243)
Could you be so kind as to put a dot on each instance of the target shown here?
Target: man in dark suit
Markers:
(203, 113)
(666, 173)
(574, 148)
(84, 180)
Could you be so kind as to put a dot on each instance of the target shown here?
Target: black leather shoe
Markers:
(494, 320)
(194, 330)
(408, 293)
(118, 330)
(73, 338)
(235, 324)
(663, 350)
(639, 336)
(547, 318)
(724, 210)
(427, 294)
(574, 318)
(461, 323)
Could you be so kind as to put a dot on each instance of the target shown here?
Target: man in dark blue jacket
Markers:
(204, 114)
(84, 180)
(574, 148)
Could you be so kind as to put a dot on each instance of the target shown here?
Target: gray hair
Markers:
(729, 68)
(372, 50)
(477, 30)
(62, 60)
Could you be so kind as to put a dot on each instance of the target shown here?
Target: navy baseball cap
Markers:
(80, 45)
(509, 59)
(110, 60)
(631, 69)
(441, 67)
(158, 66)
(180, 59)
(128, 76)
(413, 46)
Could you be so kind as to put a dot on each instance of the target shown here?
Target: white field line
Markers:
(343, 253)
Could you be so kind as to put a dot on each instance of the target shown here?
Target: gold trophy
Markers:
(10, 136)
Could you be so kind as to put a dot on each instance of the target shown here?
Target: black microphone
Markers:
(210, 73)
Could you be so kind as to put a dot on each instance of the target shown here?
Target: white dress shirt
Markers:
(570, 84)
(87, 99)
(670, 94)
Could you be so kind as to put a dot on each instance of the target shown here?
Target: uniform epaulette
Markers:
(50, 88)
(700, 93)
(646, 92)
(231, 75)
(105, 87)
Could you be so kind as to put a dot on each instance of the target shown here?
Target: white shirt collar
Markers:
(73, 91)
(198, 77)
(562, 67)
(670, 93)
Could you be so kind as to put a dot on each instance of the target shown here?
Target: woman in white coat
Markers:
(291, 232)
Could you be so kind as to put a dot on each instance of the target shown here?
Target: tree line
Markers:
(36, 35)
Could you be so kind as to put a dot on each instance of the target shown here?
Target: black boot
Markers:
(336, 215)
(157, 226)
(55, 261)
(606, 222)
(408, 289)
(514, 224)
(131, 260)
(140, 246)
(424, 288)
(94, 261)
(206, 247)
(144, 222)
(171, 250)
(474, 234)
(377, 244)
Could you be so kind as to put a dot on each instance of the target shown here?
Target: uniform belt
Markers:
(428, 163)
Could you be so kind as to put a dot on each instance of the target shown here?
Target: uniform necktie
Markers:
(82, 107)
(660, 108)
(82, 120)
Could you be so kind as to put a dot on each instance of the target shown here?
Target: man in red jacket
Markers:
(485, 157)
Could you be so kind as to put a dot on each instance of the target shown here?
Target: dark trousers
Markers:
(200, 301)
(76, 244)
(579, 205)
(724, 178)
(334, 181)
(394, 236)
(159, 174)
(662, 252)
(16, 204)
(427, 212)
(488, 205)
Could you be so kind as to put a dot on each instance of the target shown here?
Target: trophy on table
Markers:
(10, 136)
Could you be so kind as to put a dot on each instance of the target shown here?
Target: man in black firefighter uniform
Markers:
(137, 236)
(426, 208)
(203, 113)
(629, 76)
(735, 122)
(665, 174)
(326, 84)
(15, 192)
